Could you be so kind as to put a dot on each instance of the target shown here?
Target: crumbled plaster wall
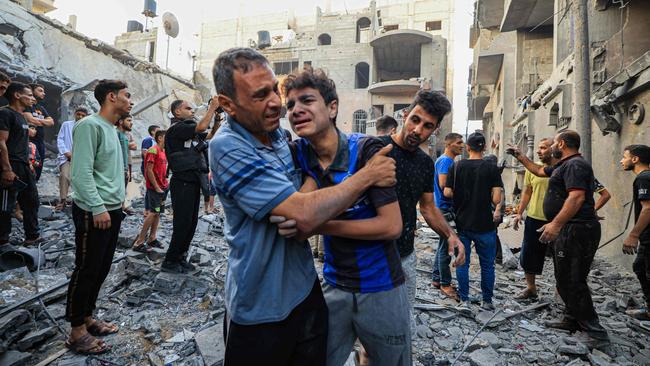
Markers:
(39, 49)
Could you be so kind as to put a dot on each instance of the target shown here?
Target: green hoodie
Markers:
(97, 167)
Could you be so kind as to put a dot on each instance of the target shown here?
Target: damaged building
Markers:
(379, 56)
(37, 49)
(522, 86)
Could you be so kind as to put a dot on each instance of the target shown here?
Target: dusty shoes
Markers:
(640, 314)
(449, 292)
(527, 294)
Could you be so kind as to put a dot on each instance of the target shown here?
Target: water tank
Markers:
(134, 26)
(263, 39)
(149, 8)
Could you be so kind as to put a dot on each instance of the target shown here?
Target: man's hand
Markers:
(496, 217)
(630, 245)
(549, 232)
(513, 150)
(381, 168)
(453, 242)
(68, 155)
(159, 190)
(8, 177)
(286, 228)
(102, 221)
(515, 222)
(214, 103)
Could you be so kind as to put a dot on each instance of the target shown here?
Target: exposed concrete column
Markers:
(582, 82)
(530, 145)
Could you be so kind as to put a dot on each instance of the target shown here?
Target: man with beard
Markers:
(415, 182)
(37, 116)
(64, 143)
(636, 158)
(98, 185)
(364, 281)
(276, 313)
(124, 126)
(574, 230)
(18, 181)
(185, 147)
(4, 82)
(532, 250)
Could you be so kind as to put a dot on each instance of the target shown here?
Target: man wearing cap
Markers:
(475, 185)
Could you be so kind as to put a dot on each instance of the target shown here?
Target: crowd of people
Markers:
(359, 195)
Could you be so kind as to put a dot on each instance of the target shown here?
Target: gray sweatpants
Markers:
(381, 321)
(410, 271)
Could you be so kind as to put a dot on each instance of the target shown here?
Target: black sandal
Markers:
(155, 244)
(87, 345)
(142, 248)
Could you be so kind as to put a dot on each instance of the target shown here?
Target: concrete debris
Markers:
(210, 344)
(35, 337)
(14, 358)
(485, 357)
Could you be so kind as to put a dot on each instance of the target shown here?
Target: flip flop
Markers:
(101, 328)
(639, 314)
(87, 345)
(155, 244)
(142, 248)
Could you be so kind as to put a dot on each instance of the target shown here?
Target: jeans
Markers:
(186, 199)
(93, 259)
(485, 244)
(641, 268)
(441, 271)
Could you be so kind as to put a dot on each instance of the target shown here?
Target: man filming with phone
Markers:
(186, 147)
(18, 182)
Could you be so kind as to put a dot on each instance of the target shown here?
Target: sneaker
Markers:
(564, 324)
(488, 306)
(189, 267)
(172, 267)
(475, 299)
(464, 307)
(527, 294)
(450, 292)
(640, 314)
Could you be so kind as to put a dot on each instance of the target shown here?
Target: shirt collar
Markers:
(341, 160)
(237, 128)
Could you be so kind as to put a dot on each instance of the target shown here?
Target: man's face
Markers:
(160, 139)
(26, 98)
(153, 132)
(456, 147)
(628, 160)
(418, 127)
(122, 101)
(79, 115)
(127, 124)
(308, 113)
(39, 93)
(544, 151)
(556, 148)
(257, 105)
(32, 131)
(184, 112)
(3, 87)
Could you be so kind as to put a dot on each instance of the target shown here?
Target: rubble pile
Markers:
(177, 320)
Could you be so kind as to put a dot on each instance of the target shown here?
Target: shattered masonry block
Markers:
(168, 283)
(485, 357)
(14, 358)
(211, 345)
(35, 337)
(10, 322)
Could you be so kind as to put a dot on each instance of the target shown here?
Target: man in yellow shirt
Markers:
(532, 250)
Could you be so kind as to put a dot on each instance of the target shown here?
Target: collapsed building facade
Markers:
(522, 86)
(38, 49)
(379, 56)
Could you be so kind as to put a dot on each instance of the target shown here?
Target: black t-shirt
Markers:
(39, 112)
(641, 192)
(415, 174)
(571, 173)
(180, 136)
(17, 143)
(472, 181)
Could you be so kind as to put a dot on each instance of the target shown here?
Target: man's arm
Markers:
(387, 225)
(46, 122)
(437, 223)
(8, 175)
(572, 204)
(525, 199)
(60, 140)
(205, 121)
(215, 127)
(497, 201)
(442, 180)
(83, 160)
(631, 243)
(152, 177)
(537, 170)
(604, 196)
(313, 209)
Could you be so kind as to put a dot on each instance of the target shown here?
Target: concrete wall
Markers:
(39, 49)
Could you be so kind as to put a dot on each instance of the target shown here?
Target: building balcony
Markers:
(395, 87)
(398, 54)
(43, 6)
(476, 106)
(489, 13)
(519, 14)
(488, 68)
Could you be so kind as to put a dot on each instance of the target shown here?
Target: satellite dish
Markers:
(170, 23)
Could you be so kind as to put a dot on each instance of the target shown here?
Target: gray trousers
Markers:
(408, 266)
(381, 321)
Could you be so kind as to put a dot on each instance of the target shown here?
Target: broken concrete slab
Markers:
(210, 344)
(35, 337)
(168, 283)
(14, 358)
(10, 322)
(485, 357)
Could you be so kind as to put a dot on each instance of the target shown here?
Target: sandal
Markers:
(87, 345)
(527, 294)
(450, 292)
(155, 244)
(639, 314)
(101, 328)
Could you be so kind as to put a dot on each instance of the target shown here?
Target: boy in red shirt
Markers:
(155, 174)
